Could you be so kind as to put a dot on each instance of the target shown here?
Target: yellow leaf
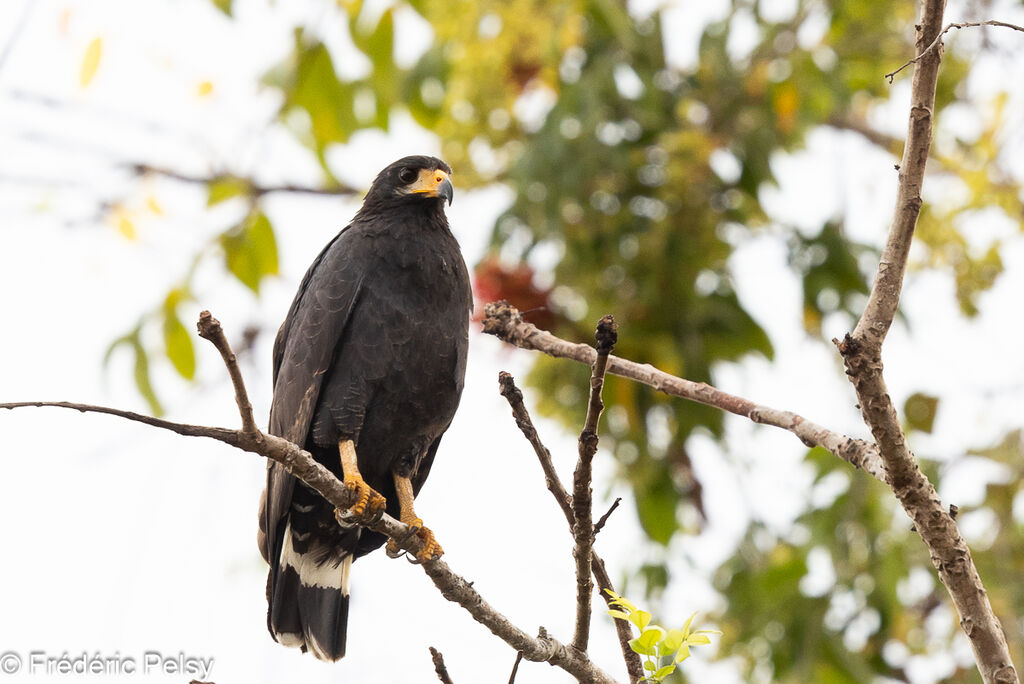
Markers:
(154, 206)
(91, 61)
(125, 226)
(786, 102)
(205, 88)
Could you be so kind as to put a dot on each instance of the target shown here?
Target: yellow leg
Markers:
(369, 504)
(431, 549)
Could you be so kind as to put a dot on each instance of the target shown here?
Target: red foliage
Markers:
(493, 280)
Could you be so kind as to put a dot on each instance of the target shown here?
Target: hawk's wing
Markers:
(303, 351)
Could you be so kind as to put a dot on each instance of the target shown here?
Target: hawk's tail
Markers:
(308, 601)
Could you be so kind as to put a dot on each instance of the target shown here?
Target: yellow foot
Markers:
(430, 550)
(369, 505)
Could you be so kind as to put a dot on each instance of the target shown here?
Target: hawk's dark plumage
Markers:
(374, 351)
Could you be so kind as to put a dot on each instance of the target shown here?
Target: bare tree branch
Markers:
(582, 495)
(862, 354)
(604, 518)
(254, 188)
(848, 122)
(210, 330)
(439, 668)
(515, 668)
(503, 321)
(515, 399)
(938, 39)
(302, 465)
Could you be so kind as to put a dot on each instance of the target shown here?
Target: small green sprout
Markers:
(662, 649)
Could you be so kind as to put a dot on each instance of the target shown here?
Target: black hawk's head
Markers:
(416, 180)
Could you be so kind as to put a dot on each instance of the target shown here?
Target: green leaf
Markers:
(327, 100)
(224, 188)
(656, 506)
(920, 411)
(650, 637)
(142, 379)
(380, 44)
(648, 665)
(178, 344)
(250, 250)
(419, 5)
(674, 638)
(640, 648)
(686, 626)
(618, 614)
(223, 5)
(664, 671)
(683, 654)
(640, 618)
(618, 600)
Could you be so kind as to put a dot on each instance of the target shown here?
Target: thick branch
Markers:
(862, 353)
(515, 399)
(938, 39)
(582, 495)
(503, 320)
(302, 465)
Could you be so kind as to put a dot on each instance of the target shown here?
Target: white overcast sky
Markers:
(122, 539)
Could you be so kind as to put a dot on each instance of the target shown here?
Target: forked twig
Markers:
(515, 399)
(938, 39)
(503, 320)
(302, 465)
(582, 499)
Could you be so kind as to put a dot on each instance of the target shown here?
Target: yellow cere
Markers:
(428, 181)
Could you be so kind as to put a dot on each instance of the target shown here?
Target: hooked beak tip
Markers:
(446, 190)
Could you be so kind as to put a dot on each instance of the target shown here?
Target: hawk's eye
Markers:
(407, 175)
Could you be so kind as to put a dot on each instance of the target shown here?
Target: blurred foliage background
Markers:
(634, 181)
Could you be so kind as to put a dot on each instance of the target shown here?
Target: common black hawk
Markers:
(369, 366)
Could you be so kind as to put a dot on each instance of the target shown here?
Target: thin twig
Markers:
(604, 518)
(622, 629)
(301, 464)
(220, 434)
(254, 188)
(503, 320)
(582, 496)
(515, 668)
(862, 354)
(847, 122)
(515, 399)
(938, 39)
(209, 329)
(439, 668)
